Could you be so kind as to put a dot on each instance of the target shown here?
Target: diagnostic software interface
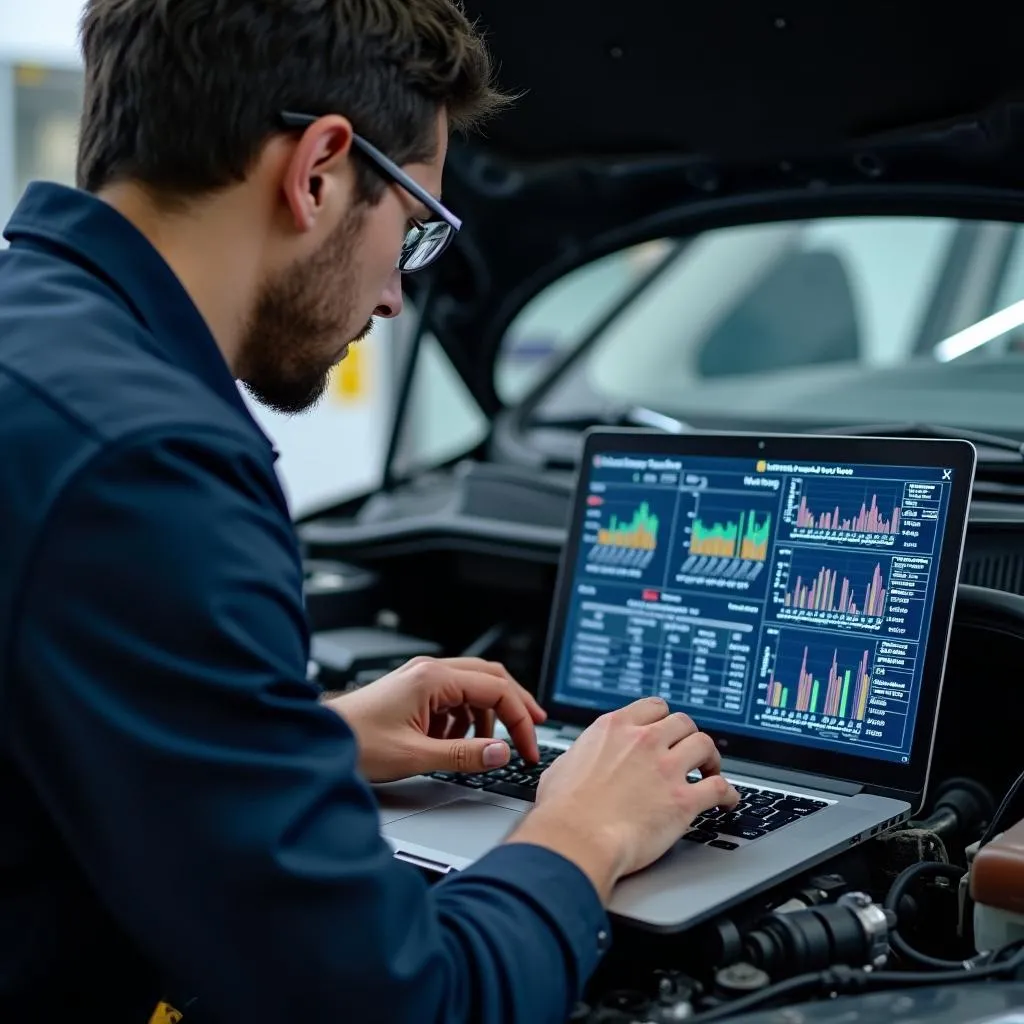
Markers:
(781, 601)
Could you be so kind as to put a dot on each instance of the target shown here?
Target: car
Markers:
(788, 217)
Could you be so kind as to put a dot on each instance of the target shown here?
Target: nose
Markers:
(391, 298)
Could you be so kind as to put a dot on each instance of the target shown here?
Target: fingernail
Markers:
(495, 755)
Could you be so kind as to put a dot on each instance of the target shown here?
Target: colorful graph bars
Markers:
(820, 595)
(838, 691)
(745, 538)
(641, 532)
(868, 520)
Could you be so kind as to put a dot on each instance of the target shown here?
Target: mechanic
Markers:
(184, 818)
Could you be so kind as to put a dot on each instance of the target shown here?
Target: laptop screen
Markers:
(783, 599)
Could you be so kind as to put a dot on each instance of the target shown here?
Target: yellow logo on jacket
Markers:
(165, 1014)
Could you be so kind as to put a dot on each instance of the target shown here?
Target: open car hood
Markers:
(654, 117)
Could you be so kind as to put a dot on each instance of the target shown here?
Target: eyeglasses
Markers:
(424, 243)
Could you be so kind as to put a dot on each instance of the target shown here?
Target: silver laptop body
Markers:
(741, 577)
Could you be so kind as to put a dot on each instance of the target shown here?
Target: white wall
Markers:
(40, 30)
(338, 449)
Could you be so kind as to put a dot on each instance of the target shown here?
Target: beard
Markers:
(290, 344)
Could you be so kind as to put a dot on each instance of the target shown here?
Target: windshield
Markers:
(829, 322)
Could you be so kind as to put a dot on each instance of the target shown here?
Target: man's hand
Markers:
(415, 720)
(618, 798)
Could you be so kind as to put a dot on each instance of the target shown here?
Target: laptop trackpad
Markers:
(413, 796)
(464, 828)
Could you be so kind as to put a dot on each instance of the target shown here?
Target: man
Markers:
(182, 817)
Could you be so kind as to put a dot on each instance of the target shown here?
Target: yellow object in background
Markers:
(165, 1014)
(30, 75)
(349, 380)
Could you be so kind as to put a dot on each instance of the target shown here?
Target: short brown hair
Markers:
(181, 95)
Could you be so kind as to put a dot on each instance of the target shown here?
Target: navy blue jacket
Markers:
(179, 815)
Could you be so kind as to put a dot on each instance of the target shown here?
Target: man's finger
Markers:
(699, 752)
(487, 691)
(675, 728)
(462, 755)
(644, 712)
(496, 669)
(713, 791)
(537, 713)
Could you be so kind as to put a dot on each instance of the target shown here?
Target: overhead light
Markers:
(642, 417)
(981, 333)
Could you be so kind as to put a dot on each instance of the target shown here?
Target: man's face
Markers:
(306, 316)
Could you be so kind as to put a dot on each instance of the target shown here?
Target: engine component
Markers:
(620, 1007)
(997, 888)
(961, 806)
(672, 1002)
(994, 1003)
(820, 889)
(740, 980)
(853, 931)
(927, 870)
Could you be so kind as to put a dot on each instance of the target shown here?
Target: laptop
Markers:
(794, 595)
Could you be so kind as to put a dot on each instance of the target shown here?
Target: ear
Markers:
(322, 148)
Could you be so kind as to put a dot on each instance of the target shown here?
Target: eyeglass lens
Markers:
(423, 244)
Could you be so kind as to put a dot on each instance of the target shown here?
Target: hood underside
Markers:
(655, 117)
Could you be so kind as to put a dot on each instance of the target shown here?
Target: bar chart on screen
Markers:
(624, 535)
(849, 590)
(726, 543)
(856, 688)
(823, 685)
(885, 514)
(839, 589)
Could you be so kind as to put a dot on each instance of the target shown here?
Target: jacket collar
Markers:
(85, 227)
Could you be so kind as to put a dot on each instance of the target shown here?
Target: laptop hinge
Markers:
(785, 776)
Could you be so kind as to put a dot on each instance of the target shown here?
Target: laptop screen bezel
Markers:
(878, 775)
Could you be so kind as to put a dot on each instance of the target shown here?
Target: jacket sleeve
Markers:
(160, 709)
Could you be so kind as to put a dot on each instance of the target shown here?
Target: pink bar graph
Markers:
(819, 594)
(868, 520)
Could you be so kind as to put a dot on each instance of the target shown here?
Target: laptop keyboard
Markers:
(759, 812)
(517, 778)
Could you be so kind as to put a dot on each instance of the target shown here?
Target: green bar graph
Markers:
(785, 697)
(846, 694)
(756, 534)
(643, 520)
(814, 698)
(742, 537)
(715, 538)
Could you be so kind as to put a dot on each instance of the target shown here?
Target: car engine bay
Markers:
(463, 561)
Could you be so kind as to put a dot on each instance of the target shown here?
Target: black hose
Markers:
(932, 869)
(846, 980)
